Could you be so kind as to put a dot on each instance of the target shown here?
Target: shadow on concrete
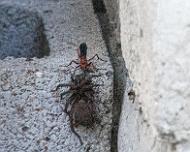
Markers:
(21, 33)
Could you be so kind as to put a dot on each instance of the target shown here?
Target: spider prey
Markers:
(80, 105)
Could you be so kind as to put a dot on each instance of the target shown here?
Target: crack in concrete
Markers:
(118, 63)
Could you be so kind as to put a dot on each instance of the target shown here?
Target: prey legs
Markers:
(62, 85)
(73, 130)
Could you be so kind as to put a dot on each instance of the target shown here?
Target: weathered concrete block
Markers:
(31, 116)
(21, 33)
(155, 45)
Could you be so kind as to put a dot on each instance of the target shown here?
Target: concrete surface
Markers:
(32, 117)
(155, 45)
(21, 33)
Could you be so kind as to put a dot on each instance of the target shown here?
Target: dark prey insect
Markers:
(132, 95)
(83, 62)
(80, 105)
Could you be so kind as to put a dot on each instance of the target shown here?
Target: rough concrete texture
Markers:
(155, 45)
(32, 117)
(112, 7)
(21, 33)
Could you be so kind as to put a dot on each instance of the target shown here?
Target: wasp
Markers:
(83, 62)
(80, 105)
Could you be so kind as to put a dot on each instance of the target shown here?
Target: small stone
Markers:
(39, 74)
(25, 128)
(47, 138)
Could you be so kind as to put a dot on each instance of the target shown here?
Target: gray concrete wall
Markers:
(155, 45)
(32, 117)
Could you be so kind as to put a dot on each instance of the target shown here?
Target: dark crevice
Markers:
(99, 6)
(118, 63)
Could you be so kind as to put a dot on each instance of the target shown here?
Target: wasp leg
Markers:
(77, 66)
(73, 61)
(73, 130)
(91, 65)
(96, 55)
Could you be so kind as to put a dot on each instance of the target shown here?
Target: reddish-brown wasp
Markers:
(84, 63)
